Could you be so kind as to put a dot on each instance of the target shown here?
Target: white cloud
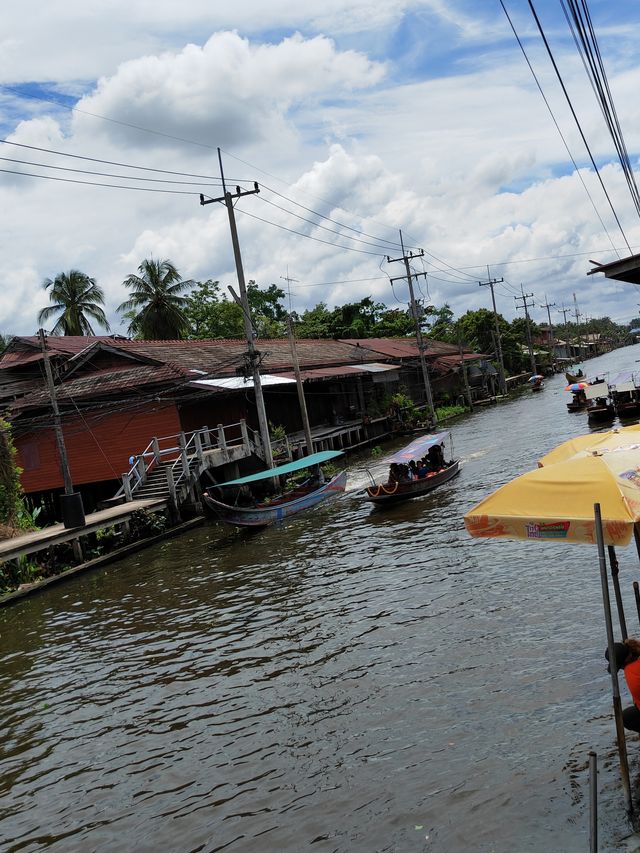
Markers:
(468, 164)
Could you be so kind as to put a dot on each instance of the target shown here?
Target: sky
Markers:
(359, 121)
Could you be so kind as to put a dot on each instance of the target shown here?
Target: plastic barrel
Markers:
(72, 510)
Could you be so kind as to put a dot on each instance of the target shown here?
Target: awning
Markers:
(239, 383)
(298, 465)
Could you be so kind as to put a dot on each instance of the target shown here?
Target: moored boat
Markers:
(599, 405)
(264, 513)
(626, 399)
(405, 487)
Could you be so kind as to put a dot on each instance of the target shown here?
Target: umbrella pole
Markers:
(613, 562)
(615, 688)
(636, 536)
(636, 592)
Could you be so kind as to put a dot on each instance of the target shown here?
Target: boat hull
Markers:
(265, 514)
(601, 413)
(383, 494)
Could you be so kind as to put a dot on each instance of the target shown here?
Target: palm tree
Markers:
(155, 308)
(76, 297)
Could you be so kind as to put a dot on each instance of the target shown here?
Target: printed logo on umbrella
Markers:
(633, 476)
(549, 530)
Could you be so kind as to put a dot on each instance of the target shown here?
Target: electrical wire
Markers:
(587, 45)
(564, 141)
(96, 183)
(577, 121)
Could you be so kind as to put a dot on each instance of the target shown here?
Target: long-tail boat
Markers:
(393, 491)
(261, 514)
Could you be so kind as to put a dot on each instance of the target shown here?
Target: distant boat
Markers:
(574, 377)
(391, 492)
(264, 513)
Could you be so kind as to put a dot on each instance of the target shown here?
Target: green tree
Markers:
(441, 325)
(75, 297)
(314, 322)
(159, 308)
(395, 323)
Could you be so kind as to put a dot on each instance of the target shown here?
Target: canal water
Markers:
(355, 680)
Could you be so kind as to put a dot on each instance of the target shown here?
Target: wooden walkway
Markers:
(36, 540)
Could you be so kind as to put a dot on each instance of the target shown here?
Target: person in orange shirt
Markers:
(627, 657)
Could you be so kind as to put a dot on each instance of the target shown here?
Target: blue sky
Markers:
(421, 116)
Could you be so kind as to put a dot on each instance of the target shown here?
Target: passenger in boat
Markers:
(436, 457)
(413, 469)
(627, 657)
(245, 496)
(394, 473)
(404, 474)
(422, 469)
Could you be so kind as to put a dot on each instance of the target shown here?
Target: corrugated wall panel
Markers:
(98, 446)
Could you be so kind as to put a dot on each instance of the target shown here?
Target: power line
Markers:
(116, 163)
(564, 141)
(573, 113)
(94, 183)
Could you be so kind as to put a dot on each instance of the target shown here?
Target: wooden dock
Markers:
(37, 540)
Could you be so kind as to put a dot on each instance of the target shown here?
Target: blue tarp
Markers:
(298, 465)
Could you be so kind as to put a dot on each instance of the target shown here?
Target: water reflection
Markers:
(356, 679)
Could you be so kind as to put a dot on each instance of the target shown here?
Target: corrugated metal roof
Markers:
(239, 382)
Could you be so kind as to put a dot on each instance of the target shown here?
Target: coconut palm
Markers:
(155, 308)
(76, 297)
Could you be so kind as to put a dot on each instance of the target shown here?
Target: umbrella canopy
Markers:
(556, 502)
(577, 386)
(535, 377)
(600, 442)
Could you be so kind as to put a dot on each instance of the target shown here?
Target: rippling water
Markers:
(356, 680)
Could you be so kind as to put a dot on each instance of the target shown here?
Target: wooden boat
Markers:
(578, 402)
(599, 405)
(384, 493)
(282, 506)
(574, 377)
(626, 399)
(538, 386)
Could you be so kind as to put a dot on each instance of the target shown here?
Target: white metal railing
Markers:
(177, 452)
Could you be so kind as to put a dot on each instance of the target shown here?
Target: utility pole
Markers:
(548, 306)
(463, 367)
(301, 400)
(414, 311)
(71, 506)
(575, 305)
(254, 355)
(490, 283)
(525, 305)
(564, 311)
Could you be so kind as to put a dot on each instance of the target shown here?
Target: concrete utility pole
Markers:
(254, 355)
(525, 305)
(57, 423)
(579, 336)
(490, 283)
(564, 311)
(301, 399)
(77, 511)
(548, 306)
(414, 311)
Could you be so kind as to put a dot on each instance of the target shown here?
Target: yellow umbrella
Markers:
(599, 442)
(556, 502)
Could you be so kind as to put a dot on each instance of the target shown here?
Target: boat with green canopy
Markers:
(311, 492)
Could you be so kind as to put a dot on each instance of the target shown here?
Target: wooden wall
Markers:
(98, 445)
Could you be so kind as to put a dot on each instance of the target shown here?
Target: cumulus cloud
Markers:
(466, 163)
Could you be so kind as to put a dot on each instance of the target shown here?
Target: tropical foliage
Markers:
(211, 314)
(155, 308)
(77, 299)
